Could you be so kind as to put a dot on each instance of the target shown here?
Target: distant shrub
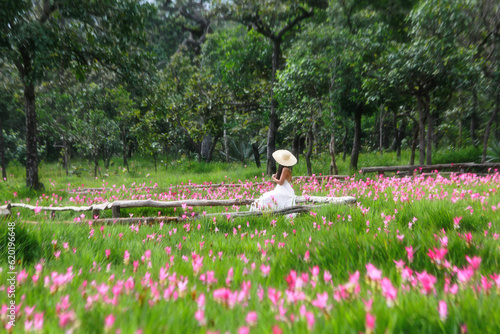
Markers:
(456, 155)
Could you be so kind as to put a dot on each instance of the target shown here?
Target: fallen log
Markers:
(117, 205)
(135, 220)
(462, 167)
(5, 210)
(285, 211)
(330, 200)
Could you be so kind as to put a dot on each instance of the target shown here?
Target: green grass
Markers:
(342, 246)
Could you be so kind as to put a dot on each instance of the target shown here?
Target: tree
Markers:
(274, 20)
(39, 36)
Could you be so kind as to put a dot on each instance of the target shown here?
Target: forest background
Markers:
(235, 80)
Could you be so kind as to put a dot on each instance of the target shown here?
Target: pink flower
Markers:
(201, 301)
(370, 323)
(251, 318)
(108, 322)
(389, 291)
(373, 273)
(474, 262)
(126, 257)
(66, 318)
(38, 322)
(443, 310)
(426, 281)
(321, 301)
(456, 222)
(265, 270)
(409, 251)
(437, 256)
(243, 330)
(327, 276)
(306, 256)
(200, 317)
(399, 264)
(108, 253)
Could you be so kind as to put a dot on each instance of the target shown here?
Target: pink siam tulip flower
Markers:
(321, 301)
(291, 280)
(308, 315)
(306, 256)
(66, 318)
(444, 241)
(199, 315)
(437, 256)
(388, 291)
(426, 281)
(108, 322)
(409, 251)
(399, 264)
(456, 222)
(201, 301)
(443, 310)
(265, 270)
(21, 277)
(243, 330)
(63, 305)
(373, 273)
(474, 262)
(273, 295)
(370, 323)
(465, 275)
(251, 318)
(368, 304)
(38, 322)
(327, 276)
(126, 257)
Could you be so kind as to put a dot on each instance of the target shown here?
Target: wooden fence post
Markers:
(115, 210)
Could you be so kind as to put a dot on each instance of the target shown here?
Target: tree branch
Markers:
(290, 25)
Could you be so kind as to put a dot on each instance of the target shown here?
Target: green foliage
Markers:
(452, 155)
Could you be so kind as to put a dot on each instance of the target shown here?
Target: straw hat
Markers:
(285, 158)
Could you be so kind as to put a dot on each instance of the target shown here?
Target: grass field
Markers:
(415, 255)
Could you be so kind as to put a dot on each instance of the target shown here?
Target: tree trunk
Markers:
(96, 163)
(32, 180)
(473, 119)
(226, 141)
(3, 162)
(344, 142)
(212, 148)
(205, 147)
(421, 129)
(256, 154)
(401, 134)
(381, 129)
(310, 141)
(488, 128)
(356, 146)
(414, 143)
(66, 156)
(333, 163)
(430, 133)
(124, 147)
(296, 146)
(273, 117)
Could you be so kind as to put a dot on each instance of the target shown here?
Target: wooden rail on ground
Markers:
(460, 167)
(117, 205)
(204, 185)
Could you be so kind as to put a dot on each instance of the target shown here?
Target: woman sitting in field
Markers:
(282, 196)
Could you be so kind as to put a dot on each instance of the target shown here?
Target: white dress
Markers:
(282, 196)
